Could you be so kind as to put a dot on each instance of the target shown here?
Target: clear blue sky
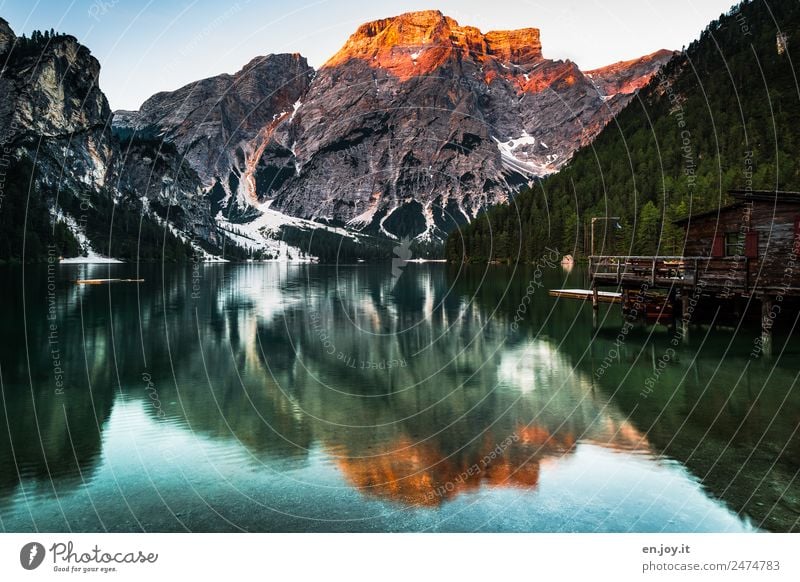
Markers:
(150, 46)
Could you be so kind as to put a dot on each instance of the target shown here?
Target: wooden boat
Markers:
(103, 281)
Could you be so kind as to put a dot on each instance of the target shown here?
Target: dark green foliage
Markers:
(27, 233)
(116, 230)
(407, 221)
(330, 247)
(724, 114)
(26, 47)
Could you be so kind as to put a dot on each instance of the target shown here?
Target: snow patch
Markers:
(513, 162)
(89, 260)
(262, 233)
(430, 224)
(386, 216)
(295, 107)
(90, 255)
(516, 142)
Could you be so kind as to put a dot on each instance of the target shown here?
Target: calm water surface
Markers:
(274, 397)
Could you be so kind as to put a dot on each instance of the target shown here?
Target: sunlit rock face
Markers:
(626, 77)
(418, 123)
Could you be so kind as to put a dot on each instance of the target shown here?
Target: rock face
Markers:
(626, 77)
(7, 36)
(433, 39)
(52, 109)
(226, 128)
(418, 124)
(62, 162)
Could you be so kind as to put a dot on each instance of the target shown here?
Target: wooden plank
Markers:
(586, 294)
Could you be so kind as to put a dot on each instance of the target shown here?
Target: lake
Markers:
(292, 397)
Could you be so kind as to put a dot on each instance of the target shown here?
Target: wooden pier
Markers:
(743, 252)
(587, 295)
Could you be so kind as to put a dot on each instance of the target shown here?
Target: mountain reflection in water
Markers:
(310, 398)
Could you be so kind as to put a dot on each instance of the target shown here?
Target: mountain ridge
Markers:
(361, 147)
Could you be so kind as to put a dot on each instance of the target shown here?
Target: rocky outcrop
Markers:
(62, 163)
(7, 36)
(432, 39)
(52, 103)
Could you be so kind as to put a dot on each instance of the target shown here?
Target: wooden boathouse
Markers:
(744, 253)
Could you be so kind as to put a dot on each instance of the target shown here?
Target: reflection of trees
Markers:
(732, 423)
(52, 438)
(736, 428)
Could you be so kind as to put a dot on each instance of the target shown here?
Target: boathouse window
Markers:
(734, 244)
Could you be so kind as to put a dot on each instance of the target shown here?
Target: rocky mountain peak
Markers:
(515, 46)
(61, 77)
(418, 42)
(419, 123)
(214, 134)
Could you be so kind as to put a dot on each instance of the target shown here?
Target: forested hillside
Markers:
(723, 114)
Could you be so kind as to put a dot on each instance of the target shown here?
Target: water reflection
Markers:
(414, 392)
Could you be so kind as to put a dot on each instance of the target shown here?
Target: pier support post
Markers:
(766, 326)
(685, 317)
(595, 298)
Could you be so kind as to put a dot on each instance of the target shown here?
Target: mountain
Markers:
(418, 123)
(626, 77)
(414, 127)
(724, 114)
(60, 181)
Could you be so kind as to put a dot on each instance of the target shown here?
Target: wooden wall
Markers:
(777, 265)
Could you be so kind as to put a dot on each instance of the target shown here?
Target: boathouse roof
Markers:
(744, 196)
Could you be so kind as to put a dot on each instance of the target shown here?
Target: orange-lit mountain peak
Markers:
(418, 42)
(626, 76)
(515, 46)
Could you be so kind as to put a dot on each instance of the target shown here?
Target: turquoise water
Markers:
(275, 397)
